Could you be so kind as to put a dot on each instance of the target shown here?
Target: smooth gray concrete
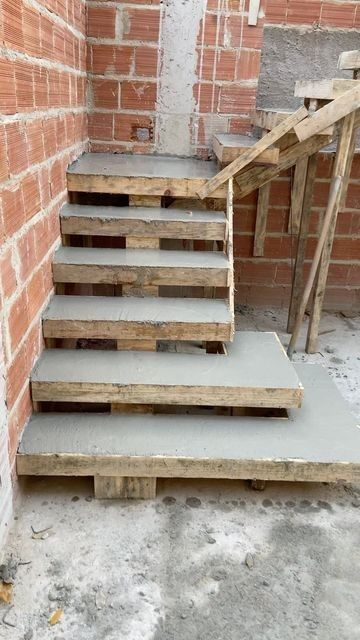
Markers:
(147, 214)
(141, 258)
(322, 431)
(141, 166)
(254, 361)
(147, 310)
(299, 53)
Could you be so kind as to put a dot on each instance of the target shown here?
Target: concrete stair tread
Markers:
(143, 221)
(152, 310)
(321, 442)
(141, 175)
(229, 146)
(141, 258)
(153, 318)
(238, 379)
(145, 166)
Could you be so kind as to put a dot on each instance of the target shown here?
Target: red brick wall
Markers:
(42, 127)
(267, 280)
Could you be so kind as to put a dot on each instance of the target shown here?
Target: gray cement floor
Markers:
(205, 560)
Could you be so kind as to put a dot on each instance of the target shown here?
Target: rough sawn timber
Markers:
(249, 156)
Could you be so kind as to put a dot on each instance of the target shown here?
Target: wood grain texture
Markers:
(329, 114)
(117, 487)
(227, 147)
(324, 89)
(249, 156)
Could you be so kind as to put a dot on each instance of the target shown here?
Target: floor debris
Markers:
(55, 617)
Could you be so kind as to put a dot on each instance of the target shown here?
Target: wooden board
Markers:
(268, 119)
(128, 318)
(138, 174)
(256, 176)
(349, 60)
(238, 379)
(324, 89)
(249, 156)
(141, 267)
(331, 113)
(319, 443)
(146, 222)
(228, 146)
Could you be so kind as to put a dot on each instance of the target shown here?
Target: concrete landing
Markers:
(319, 442)
(255, 373)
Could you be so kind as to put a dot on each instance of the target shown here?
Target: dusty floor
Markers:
(177, 567)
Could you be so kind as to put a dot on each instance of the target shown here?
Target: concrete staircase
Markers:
(143, 322)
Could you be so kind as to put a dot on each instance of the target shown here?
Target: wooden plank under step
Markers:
(144, 222)
(138, 174)
(238, 379)
(141, 267)
(151, 318)
(229, 146)
(319, 443)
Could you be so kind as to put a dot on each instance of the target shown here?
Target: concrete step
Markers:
(229, 146)
(141, 267)
(319, 443)
(142, 175)
(129, 318)
(151, 222)
(239, 379)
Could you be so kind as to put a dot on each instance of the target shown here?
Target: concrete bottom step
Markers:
(319, 442)
(133, 318)
(255, 373)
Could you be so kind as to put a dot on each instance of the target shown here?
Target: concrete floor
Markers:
(175, 567)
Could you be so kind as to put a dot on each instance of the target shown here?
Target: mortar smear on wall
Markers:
(178, 60)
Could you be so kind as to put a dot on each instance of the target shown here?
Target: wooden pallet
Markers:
(319, 443)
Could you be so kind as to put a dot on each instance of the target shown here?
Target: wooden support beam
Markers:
(118, 487)
(261, 219)
(331, 113)
(339, 169)
(302, 241)
(297, 195)
(250, 155)
(256, 176)
(268, 119)
(333, 204)
(230, 250)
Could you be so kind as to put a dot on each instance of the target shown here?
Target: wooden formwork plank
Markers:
(264, 143)
(332, 112)
(297, 195)
(297, 282)
(253, 178)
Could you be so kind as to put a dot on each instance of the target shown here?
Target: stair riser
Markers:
(158, 394)
(172, 230)
(132, 330)
(155, 186)
(141, 276)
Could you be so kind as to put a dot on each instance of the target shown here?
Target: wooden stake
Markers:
(297, 194)
(302, 241)
(332, 207)
(339, 169)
